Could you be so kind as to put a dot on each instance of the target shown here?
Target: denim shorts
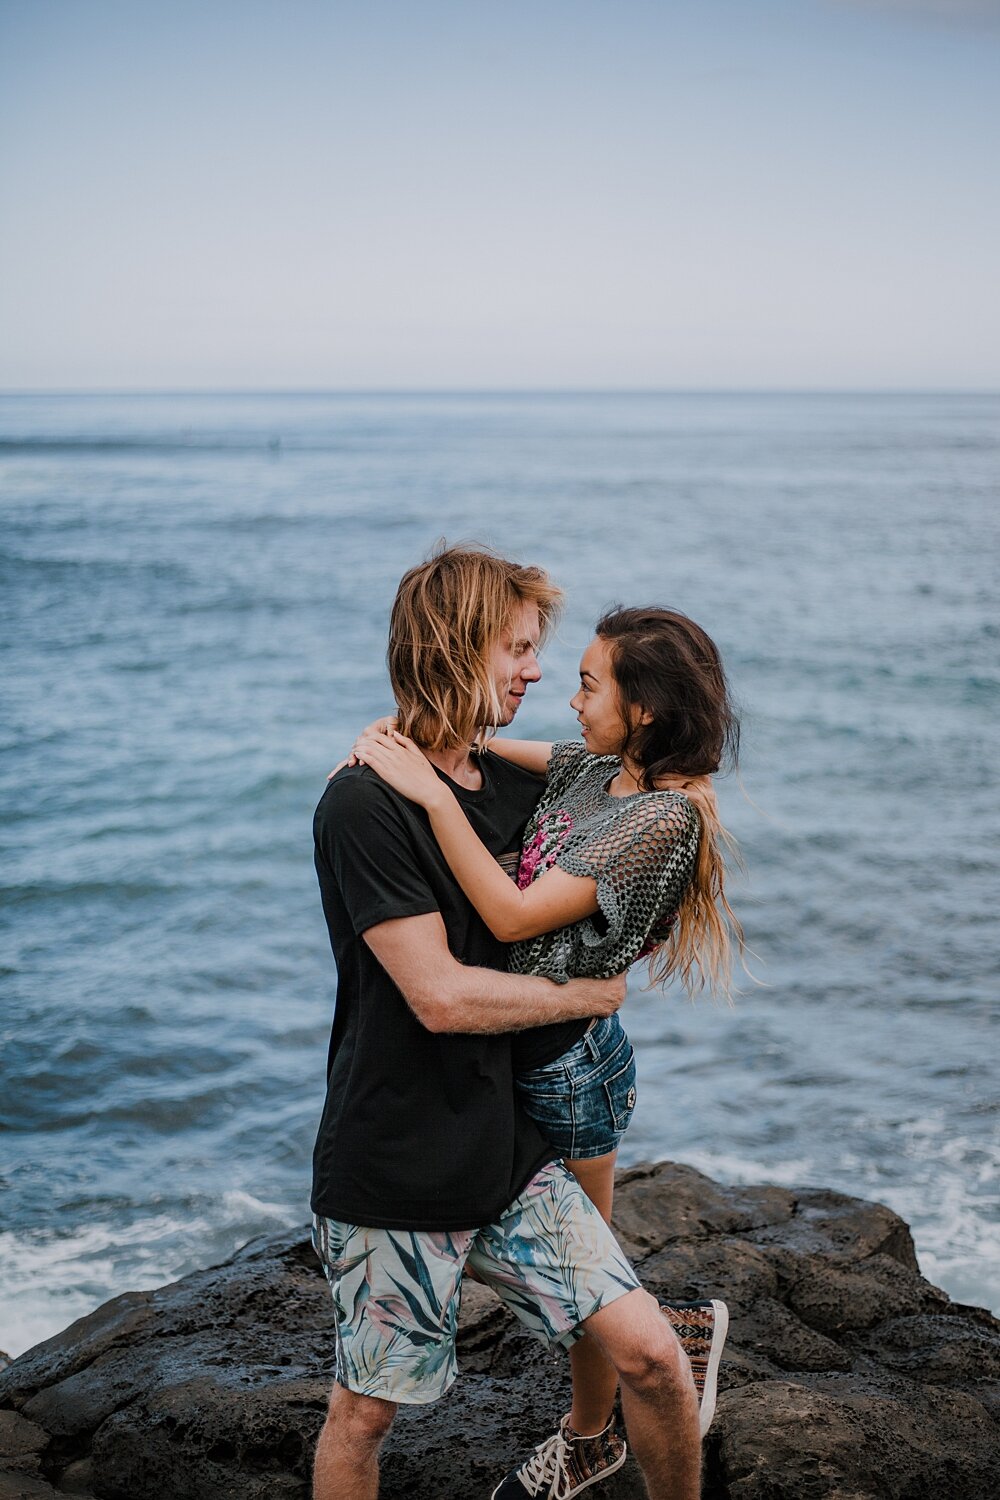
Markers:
(583, 1102)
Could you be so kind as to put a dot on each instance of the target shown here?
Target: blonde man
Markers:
(424, 1162)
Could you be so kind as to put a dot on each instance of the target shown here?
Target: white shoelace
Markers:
(547, 1466)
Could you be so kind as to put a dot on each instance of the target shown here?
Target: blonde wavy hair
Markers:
(449, 615)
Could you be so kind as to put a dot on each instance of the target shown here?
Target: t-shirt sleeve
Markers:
(362, 835)
(641, 858)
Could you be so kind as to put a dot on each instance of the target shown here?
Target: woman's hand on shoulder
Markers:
(385, 725)
(401, 763)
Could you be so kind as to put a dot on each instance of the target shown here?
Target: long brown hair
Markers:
(449, 614)
(686, 729)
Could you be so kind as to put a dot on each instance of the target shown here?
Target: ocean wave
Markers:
(74, 1105)
(51, 1277)
(179, 444)
(32, 893)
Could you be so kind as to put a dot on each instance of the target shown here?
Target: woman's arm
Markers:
(530, 755)
(554, 900)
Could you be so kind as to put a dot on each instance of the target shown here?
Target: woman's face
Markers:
(596, 704)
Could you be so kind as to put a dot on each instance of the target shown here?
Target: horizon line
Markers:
(505, 390)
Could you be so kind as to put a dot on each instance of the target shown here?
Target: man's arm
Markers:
(444, 995)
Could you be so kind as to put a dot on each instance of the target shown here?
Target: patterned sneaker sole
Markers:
(701, 1328)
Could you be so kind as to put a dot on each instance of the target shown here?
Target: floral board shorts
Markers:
(551, 1259)
(583, 1102)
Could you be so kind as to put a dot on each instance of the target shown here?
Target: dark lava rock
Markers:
(847, 1375)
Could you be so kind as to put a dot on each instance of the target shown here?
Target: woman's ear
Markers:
(633, 718)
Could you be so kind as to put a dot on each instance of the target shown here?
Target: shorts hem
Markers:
(412, 1396)
(592, 1151)
(569, 1338)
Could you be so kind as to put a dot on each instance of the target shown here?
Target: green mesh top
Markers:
(640, 849)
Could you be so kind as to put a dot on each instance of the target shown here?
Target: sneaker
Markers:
(701, 1328)
(564, 1465)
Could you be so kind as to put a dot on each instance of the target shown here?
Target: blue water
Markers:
(193, 598)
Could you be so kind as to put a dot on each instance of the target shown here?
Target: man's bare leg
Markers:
(346, 1462)
(658, 1394)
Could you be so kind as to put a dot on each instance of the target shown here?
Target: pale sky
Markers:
(292, 194)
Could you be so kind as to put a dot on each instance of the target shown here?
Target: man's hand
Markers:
(602, 997)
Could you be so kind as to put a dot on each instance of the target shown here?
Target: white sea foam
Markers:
(51, 1278)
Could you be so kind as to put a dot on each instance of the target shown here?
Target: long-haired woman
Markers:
(623, 860)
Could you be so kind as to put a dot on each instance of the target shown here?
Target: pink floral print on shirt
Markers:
(543, 848)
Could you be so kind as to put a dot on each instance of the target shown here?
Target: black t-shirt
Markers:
(420, 1130)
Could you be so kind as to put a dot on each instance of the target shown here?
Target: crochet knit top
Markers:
(640, 849)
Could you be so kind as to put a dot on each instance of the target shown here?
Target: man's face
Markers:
(514, 660)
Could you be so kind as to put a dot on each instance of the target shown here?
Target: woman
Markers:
(622, 860)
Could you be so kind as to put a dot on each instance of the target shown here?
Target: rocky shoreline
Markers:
(847, 1375)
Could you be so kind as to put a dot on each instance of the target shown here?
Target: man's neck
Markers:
(458, 765)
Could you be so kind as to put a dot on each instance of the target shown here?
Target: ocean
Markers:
(194, 591)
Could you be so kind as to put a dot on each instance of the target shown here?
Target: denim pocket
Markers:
(620, 1091)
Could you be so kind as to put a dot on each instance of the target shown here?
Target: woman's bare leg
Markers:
(595, 1379)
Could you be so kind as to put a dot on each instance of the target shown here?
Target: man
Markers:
(424, 1162)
